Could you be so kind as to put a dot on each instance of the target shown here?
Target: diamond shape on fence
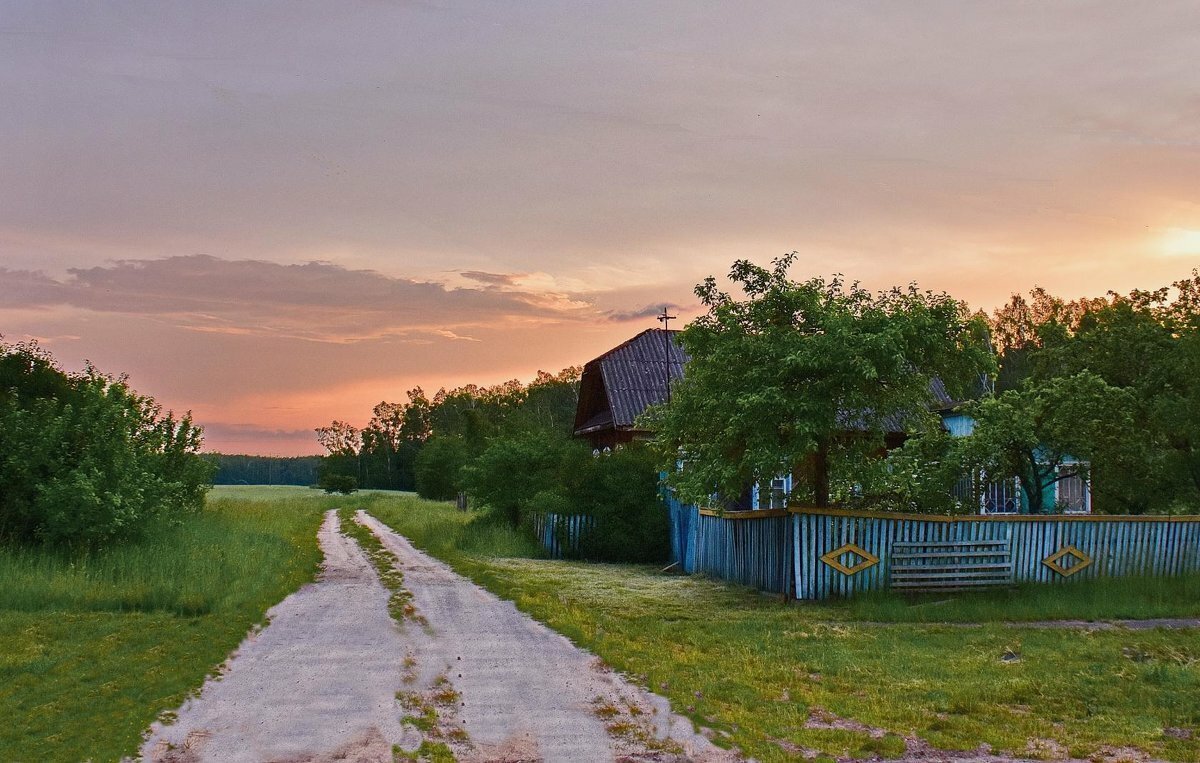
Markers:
(1078, 560)
(866, 559)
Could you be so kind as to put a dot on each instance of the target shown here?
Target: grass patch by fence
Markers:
(774, 679)
(97, 646)
(1131, 598)
(441, 529)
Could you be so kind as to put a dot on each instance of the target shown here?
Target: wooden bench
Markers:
(950, 565)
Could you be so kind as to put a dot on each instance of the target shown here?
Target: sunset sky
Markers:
(279, 213)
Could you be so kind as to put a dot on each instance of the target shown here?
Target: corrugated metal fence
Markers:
(823, 553)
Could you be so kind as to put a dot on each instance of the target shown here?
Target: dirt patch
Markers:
(317, 684)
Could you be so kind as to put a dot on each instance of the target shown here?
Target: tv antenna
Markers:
(666, 319)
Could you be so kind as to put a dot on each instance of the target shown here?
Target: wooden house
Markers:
(618, 386)
(622, 383)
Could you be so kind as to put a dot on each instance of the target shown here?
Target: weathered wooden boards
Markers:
(818, 554)
(935, 566)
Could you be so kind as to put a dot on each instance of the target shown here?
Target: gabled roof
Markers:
(623, 382)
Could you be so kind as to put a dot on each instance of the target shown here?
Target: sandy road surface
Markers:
(318, 683)
(527, 692)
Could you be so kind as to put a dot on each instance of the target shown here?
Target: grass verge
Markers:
(386, 565)
(780, 681)
(97, 646)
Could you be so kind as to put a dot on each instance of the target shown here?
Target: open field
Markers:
(95, 647)
(776, 679)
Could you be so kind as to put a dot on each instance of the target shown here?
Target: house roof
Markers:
(623, 382)
(619, 385)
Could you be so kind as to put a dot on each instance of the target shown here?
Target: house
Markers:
(618, 386)
(622, 383)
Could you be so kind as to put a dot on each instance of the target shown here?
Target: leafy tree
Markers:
(438, 468)
(1148, 343)
(1034, 432)
(796, 375)
(85, 460)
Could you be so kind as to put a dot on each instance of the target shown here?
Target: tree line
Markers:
(241, 469)
(421, 444)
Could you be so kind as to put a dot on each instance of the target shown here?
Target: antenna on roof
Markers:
(666, 319)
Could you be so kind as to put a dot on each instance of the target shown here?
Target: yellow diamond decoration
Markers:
(1081, 560)
(833, 559)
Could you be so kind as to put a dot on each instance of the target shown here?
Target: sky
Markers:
(275, 214)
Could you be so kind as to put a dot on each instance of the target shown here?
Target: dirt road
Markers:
(320, 680)
(333, 678)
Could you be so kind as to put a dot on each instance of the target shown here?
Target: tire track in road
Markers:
(528, 693)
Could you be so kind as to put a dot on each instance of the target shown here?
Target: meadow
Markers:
(839, 679)
(97, 646)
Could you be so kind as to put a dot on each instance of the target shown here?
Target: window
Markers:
(1071, 494)
(776, 499)
(1003, 497)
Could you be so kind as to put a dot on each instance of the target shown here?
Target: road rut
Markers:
(528, 693)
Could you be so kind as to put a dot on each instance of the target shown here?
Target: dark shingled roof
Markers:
(623, 382)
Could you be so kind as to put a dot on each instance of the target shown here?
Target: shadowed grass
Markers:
(764, 674)
(96, 647)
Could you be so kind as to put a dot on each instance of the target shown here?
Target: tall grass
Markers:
(442, 530)
(226, 558)
(96, 646)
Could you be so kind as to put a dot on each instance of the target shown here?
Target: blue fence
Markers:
(560, 534)
(818, 554)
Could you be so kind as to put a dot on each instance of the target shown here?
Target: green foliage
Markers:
(919, 476)
(438, 467)
(338, 483)
(528, 474)
(385, 453)
(620, 490)
(85, 460)
(796, 375)
(238, 469)
(96, 646)
(1146, 343)
(1030, 433)
(511, 471)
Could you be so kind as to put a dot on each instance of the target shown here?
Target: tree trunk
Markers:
(814, 471)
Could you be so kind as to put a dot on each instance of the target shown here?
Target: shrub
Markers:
(512, 470)
(438, 468)
(85, 460)
(622, 493)
(338, 483)
(531, 474)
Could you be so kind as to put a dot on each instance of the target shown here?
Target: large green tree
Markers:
(802, 376)
(1048, 431)
(1147, 343)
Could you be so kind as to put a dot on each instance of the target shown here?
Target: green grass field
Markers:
(96, 647)
(758, 671)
